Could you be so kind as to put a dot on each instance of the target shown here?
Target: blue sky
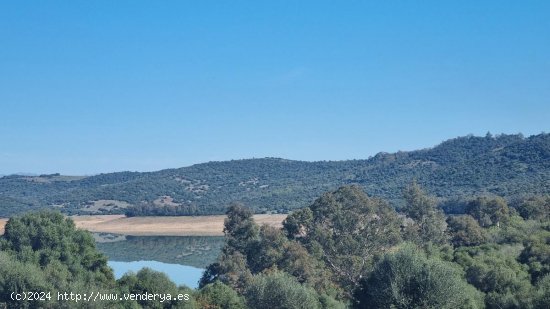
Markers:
(101, 86)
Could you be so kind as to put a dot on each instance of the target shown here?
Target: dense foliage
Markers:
(407, 279)
(509, 166)
(45, 252)
(346, 229)
(346, 249)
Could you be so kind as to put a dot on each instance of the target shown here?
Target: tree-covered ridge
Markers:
(510, 166)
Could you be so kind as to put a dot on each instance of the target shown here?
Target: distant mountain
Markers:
(21, 174)
(507, 165)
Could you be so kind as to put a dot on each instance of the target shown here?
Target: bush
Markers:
(219, 296)
(465, 231)
(21, 277)
(46, 237)
(149, 281)
(280, 291)
(495, 271)
(542, 299)
(407, 279)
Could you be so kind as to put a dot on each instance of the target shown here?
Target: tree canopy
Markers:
(346, 229)
(408, 279)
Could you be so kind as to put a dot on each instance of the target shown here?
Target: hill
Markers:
(506, 165)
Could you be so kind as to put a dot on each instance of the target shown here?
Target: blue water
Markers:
(180, 274)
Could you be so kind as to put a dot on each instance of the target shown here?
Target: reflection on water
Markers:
(179, 274)
(182, 258)
(196, 251)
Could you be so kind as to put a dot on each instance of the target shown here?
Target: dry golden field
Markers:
(2, 224)
(165, 226)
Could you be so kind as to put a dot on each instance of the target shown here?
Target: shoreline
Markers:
(159, 225)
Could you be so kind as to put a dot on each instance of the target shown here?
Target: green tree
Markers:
(429, 221)
(465, 231)
(239, 228)
(280, 291)
(231, 269)
(536, 254)
(219, 296)
(149, 281)
(43, 238)
(241, 234)
(536, 207)
(268, 250)
(496, 272)
(295, 223)
(542, 296)
(16, 276)
(44, 251)
(274, 251)
(346, 229)
(407, 279)
(489, 211)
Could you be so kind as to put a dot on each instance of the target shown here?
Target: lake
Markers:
(182, 258)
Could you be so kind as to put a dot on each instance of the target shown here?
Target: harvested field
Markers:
(160, 226)
(2, 224)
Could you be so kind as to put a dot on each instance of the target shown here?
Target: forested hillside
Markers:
(510, 166)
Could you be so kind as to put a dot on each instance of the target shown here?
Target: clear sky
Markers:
(101, 86)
